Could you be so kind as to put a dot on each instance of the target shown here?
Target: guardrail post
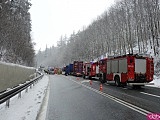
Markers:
(7, 103)
(36, 81)
(19, 95)
(26, 90)
(31, 86)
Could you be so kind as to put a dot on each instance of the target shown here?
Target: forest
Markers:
(127, 27)
(16, 45)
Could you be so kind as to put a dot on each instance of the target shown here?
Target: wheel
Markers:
(90, 77)
(123, 84)
(102, 81)
(117, 81)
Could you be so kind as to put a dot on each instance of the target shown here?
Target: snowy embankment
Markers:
(28, 106)
(14, 74)
(156, 82)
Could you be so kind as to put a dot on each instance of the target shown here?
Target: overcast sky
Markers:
(53, 18)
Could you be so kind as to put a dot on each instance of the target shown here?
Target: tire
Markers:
(117, 81)
(102, 81)
(90, 77)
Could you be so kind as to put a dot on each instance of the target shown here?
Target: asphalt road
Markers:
(74, 98)
(147, 98)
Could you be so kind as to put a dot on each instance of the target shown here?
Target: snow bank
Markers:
(156, 82)
(26, 107)
(12, 64)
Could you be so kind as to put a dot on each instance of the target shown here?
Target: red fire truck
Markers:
(102, 70)
(91, 70)
(78, 68)
(86, 69)
(128, 69)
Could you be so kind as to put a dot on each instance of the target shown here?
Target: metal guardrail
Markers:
(5, 96)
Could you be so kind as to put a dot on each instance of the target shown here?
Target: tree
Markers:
(15, 25)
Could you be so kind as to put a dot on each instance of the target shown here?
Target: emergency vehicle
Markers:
(69, 69)
(86, 69)
(91, 69)
(128, 69)
(78, 68)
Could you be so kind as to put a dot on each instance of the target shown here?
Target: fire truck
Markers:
(78, 68)
(86, 69)
(102, 70)
(135, 70)
(91, 69)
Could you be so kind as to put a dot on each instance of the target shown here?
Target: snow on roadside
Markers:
(26, 107)
(156, 82)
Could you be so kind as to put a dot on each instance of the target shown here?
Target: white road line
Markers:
(87, 81)
(131, 106)
(106, 84)
(84, 81)
(124, 88)
(150, 94)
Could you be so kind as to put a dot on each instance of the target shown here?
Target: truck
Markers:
(67, 70)
(91, 69)
(102, 70)
(78, 68)
(70, 69)
(86, 69)
(131, 69)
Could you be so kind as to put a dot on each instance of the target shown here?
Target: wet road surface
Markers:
(69, 100)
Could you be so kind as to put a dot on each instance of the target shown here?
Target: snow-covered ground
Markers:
(156, 82)
(27, 107)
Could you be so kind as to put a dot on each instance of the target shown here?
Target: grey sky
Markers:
(53, 18)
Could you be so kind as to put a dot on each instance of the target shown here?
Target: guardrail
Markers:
(5, 96)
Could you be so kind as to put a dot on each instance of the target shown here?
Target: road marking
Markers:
(129, 105)
(85, 81)
(94, 81)
(150, 94)
(106, 84)
(124, 88)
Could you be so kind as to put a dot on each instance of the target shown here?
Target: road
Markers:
(73, 98)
